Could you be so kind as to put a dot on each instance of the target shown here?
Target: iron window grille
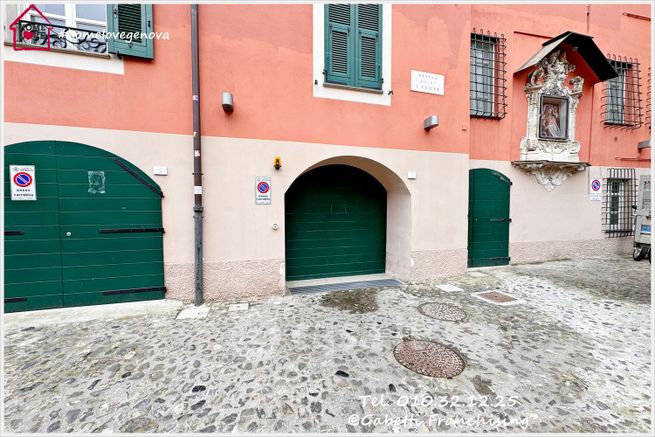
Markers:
(621, 100)
(620, 195)
(648, 97)
(488, 70)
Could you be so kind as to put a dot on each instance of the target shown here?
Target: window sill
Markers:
(67, 51)
(487, 117)
(619, 124)
(352, 88)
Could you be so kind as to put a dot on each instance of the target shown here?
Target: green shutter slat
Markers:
(368, 54)
(339, 58)
(339, 14)
(369, 17)
(130, 19)
(369, 46)
(339, 44)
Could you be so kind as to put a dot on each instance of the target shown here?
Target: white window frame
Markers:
(70, 16)
(321, 90)
(87, 61)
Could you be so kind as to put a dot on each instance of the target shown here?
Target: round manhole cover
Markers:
(442, 311)
(429, 358)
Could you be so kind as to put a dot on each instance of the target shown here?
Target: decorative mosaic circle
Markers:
(429, 358)
(442, 311)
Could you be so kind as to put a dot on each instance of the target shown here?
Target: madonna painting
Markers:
(552, 123)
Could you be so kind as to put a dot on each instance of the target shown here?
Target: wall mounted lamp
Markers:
(227, 101)
(430, 122)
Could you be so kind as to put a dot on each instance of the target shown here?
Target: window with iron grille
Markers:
(487, 75)
(620, 196)
(621, 105)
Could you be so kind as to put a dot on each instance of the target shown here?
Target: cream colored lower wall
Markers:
(243, 253)
(426, 215)
(562, 223)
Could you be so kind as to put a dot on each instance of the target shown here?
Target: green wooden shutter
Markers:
(125, 20)
(339, 44)
(369, 46)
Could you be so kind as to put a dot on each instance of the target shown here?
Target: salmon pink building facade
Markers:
(411, 140)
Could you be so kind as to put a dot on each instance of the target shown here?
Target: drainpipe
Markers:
(197, 159)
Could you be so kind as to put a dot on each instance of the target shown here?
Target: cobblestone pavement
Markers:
(573, 355)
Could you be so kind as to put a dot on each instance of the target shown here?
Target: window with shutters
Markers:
(130, 25)
(353, 45)
(487, 94)
(622, 95)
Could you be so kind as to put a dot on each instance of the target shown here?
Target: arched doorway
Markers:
(336, 224)
(488, 233)
(93, 234)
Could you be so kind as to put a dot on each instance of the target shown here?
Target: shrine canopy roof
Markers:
(584, 46)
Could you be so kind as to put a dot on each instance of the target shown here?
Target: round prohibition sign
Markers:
(263, 187)
(595, 185)
(23, 179)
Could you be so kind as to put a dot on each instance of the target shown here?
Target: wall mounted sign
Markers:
(263, 190)
(424, 82)
(595, 189)
(23, 182)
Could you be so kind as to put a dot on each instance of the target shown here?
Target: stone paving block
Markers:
(238, 307)
(448, 287)
(193, 312)
(477, 274)
(574, 357)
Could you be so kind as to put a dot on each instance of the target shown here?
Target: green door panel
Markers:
(488, 231)
(335, 224)
(33, 259)
(90, 203)
(68, 252)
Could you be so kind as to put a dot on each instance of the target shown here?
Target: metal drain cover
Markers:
(496, 297)
(429, 358)
(442, 311)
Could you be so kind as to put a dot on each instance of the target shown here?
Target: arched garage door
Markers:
(93, 235)
(335, 224)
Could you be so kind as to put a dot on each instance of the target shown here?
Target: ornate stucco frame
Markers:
(551, 160)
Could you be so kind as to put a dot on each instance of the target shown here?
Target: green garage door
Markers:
(93, 235)
(335, 224)
(488, 234)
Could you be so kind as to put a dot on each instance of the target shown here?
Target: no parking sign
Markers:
(595, 189)
(263, 190)
(23, 182)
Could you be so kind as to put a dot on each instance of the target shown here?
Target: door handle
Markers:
(500, 220)
(68, 234)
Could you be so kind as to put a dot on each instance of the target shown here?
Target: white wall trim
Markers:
(324, 92)
(101, 64)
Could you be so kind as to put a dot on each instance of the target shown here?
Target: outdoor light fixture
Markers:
(430, 122)
(277, 163)
(227, 101)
